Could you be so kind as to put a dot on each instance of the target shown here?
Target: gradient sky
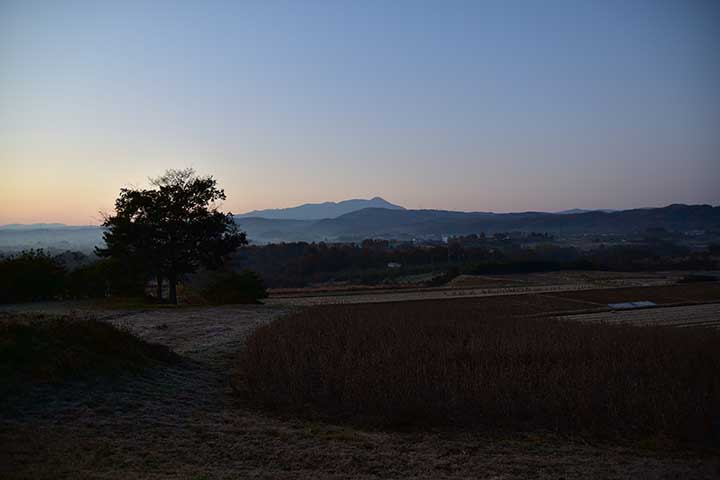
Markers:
(502, 106)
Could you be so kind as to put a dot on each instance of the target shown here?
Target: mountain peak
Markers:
(319, 211)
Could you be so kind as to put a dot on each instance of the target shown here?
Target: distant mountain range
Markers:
(54, 236)
(31, 226)
(580, 210)
(387, 223)
(394, 222)
(319, 211)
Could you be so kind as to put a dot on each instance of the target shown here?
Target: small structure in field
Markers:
(629, 305)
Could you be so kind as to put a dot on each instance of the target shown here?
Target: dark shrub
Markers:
(34, 275)
(234, 287)
(121, 277)
(88, 281)
(106, 277)
(31, 275)
(448, 363)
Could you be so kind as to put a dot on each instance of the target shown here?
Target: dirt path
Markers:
(182, 422)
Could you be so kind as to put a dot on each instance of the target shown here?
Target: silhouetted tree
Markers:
(173, 228)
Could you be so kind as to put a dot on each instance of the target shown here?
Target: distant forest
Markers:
(300, 264)
(37, 275)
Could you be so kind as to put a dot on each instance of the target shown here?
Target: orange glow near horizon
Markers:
(488, 106)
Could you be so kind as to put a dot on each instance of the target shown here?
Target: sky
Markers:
(463, 105)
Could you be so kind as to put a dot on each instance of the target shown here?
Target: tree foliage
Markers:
(173, 228)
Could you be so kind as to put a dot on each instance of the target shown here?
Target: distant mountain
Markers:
(394, 224)
(268, 230)
(31, 226)
(319, 211)
(399, 223)
(53, 236)
(580, 210)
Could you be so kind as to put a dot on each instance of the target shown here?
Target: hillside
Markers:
(388, 223)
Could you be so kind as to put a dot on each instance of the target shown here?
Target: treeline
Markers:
(300, 264)
(35, 275)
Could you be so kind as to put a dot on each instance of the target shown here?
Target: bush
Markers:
(37, 349)
(234, 287)
(88, 281)
(106, 277)
(435, 362)
(32, 275)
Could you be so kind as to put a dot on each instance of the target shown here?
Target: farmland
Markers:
(423, 363)
(704, 315)
(186, 420)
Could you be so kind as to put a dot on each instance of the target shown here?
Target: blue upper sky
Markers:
(477, 105)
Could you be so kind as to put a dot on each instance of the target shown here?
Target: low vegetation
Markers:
(423, 363)
(35, 275)
(32, 275)
(37, 349)
(234, 287)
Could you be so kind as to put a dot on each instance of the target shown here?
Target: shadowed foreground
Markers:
(182, 421)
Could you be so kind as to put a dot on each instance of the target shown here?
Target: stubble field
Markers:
(185, 420)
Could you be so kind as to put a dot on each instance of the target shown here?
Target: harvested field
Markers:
(496, 306)
(183, 421)
(596, 278)
(707, 315)
(468, 286)
(584, 296)
(422, 363)
(700, 292)
(420, 294)
(483, 281)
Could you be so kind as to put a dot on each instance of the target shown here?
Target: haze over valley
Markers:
(356, 220)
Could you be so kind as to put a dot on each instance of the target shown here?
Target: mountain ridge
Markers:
(409, 224)
(386, 223)
(32, 226)
(320, 211)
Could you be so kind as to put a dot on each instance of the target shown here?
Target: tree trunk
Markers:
(172, 282)
(159, 288)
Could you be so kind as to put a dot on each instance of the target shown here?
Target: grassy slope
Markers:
(51, 349)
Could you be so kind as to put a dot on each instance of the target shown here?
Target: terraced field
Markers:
(578, 296)
(707, 315)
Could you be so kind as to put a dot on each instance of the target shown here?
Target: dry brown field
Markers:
(184, 421)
